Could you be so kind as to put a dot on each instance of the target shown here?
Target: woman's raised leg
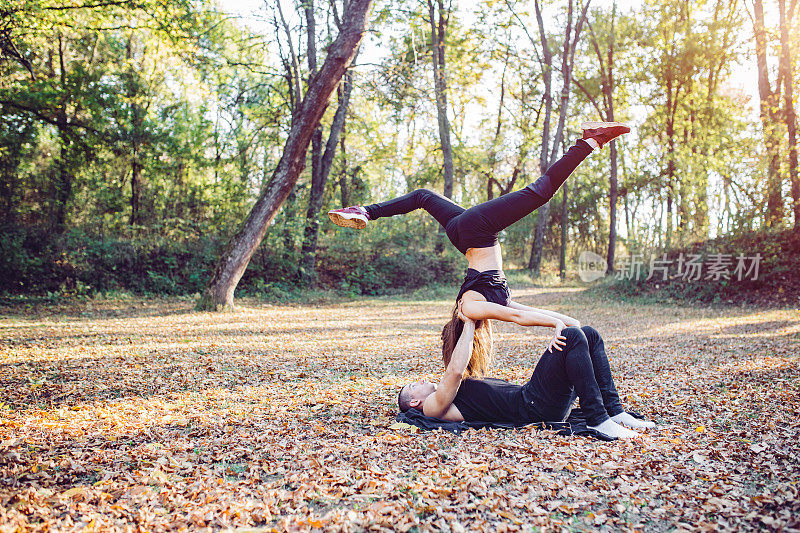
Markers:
(488, 218)
(440, 207)
(497, 214)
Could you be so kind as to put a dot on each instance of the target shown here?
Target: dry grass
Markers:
(147, 415)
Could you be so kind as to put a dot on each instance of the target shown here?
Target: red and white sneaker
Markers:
(602, 132)
(350, 217)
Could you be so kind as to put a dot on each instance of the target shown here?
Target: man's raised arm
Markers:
(437, 404)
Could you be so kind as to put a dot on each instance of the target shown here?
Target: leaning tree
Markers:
(218, 295)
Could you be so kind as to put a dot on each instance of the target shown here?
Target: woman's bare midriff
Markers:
(482, 259)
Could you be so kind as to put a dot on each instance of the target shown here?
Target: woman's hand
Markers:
(558, 339)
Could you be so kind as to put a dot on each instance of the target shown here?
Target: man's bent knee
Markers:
(590, 332)
(575, 336)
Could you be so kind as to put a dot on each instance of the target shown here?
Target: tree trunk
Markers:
(606, 69)
(789, 113)
(769, 105)
(629, 236)
(306, 271)
(542, 222)
(440, 92)
(136, 132)
(218, 295)
(562, 260)
(567, 62)
(289, 208)
(567, 58)
(683, 198)
(612, 205)
(700, 225)
(135, 185)
(668, 236)
(63, 189)
(608, 90)
(670, 132)
(492, 159)
(311, 234)
(63, 192)
(343, 173)
(535, 260)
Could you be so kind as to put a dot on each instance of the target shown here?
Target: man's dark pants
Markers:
(580, 369)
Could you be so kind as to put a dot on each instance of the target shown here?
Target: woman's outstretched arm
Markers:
(568, 320)
(478, 310)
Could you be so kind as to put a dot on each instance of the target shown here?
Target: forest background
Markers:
(136, 136)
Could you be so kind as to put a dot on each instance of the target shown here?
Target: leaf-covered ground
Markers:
(147, 415)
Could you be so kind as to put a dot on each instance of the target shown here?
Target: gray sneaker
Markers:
(350, 217)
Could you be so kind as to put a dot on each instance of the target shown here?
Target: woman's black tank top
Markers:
(491, 284)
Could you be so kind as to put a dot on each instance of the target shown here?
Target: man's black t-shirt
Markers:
(491, 400)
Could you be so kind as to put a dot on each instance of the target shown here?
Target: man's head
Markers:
(414, 394)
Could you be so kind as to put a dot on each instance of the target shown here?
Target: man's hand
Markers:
(558, 339)
(460, 314)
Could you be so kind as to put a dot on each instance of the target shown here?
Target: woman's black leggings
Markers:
(477, 227)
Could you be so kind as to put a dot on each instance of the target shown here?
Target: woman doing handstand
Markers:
(484, 294)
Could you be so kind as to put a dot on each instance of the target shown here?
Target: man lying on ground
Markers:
(579, 369)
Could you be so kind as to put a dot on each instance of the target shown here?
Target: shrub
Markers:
(778, 280)
(77, 263)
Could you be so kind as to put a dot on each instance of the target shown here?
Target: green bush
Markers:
(778, 279)
(76, 263)
(385, 268)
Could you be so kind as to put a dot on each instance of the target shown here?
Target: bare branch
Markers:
(295, 62)
(591, 98)
(533, 41)
(548, 55)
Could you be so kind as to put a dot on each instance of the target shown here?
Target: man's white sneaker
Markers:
(630, 421)
(612, 429)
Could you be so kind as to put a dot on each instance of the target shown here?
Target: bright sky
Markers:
(254, 14)
(243, 8)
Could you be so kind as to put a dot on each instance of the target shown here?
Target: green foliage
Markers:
(135, 138)
(40, 262)
(75, 263)
(778, 281)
